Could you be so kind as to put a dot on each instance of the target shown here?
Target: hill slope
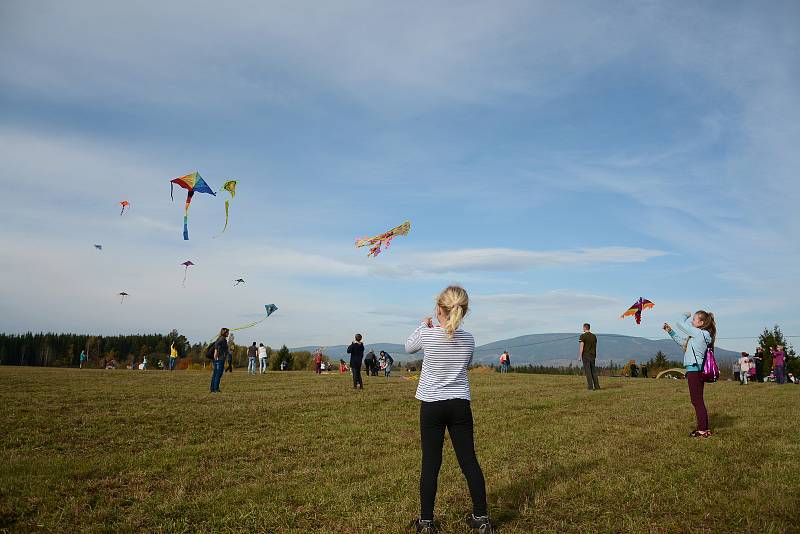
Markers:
(550, 349)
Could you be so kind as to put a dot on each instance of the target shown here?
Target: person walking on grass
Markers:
(252, 355)
(173, 356)
(587, 354)
(221, 354)
(262, 358)
(778, 361)
(356, 352)
(744, 368)
(444, 393)
(82, 360)
(700, 332)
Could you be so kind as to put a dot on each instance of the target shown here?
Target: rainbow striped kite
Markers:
(193, 183)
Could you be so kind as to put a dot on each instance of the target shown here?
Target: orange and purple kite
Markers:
(383, 240)
(186, 266)
(636, 310)
(124, 204)
(193, 183)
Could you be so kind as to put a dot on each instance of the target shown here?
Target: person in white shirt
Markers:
(445, 394)
(744, 368)
(262, 358)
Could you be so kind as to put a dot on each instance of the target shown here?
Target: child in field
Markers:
(445, 394)
(744, 369)
(700, 330)
(82, 360)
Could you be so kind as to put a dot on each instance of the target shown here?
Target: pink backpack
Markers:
(709, 371)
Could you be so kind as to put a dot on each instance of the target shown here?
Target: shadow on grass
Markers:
(507, 502)
(721, 420)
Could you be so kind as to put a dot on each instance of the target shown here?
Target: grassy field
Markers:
(123, 451)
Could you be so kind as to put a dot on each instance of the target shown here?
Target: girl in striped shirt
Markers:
(444, 391)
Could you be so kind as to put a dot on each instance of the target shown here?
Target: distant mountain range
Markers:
(549, 349)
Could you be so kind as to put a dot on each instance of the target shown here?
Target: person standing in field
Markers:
(389, 363)
(587, 354)
(356, 352)
(252, 355)
(144, 362)
(262, 358)
(744, 368)
(318, 362)
(82, 360)
(444, 393)
(700, 332)
(173, 356)
(231, 348)
(220, 356)
(778, 361)
(758, 359)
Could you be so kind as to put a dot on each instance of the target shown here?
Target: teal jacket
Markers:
(699, 340)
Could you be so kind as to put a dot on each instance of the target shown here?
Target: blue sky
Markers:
(557, 159)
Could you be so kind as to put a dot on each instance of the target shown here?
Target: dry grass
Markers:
(123, 451)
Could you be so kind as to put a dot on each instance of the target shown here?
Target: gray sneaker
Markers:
(480, 523)
(423, 526)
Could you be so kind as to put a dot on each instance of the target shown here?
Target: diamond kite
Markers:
(383, 240)
(193, 183)
(270, 308)
(186, 266)
(636, 310)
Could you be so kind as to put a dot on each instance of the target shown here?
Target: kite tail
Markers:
(186, 216)
(185, 274)
(226, 222)
(171, 185)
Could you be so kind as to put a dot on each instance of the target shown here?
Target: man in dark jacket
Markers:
(356, 352)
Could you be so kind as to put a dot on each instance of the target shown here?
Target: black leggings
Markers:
(356, 370)
(456, 416)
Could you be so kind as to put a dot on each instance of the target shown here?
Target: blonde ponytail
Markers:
(455, 303)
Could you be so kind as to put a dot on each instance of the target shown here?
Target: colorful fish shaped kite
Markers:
(124, 204)
(230, 187)
(123, 295)
(193, 183)
(186, 266)
(636, 310)
(383, 240)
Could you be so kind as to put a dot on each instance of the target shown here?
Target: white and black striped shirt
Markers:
(445, 362)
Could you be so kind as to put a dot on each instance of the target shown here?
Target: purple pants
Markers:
(696, 385)
(779, 376)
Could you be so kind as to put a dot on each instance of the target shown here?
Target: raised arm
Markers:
(414, 341)
(691, 330)
(676, 337)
